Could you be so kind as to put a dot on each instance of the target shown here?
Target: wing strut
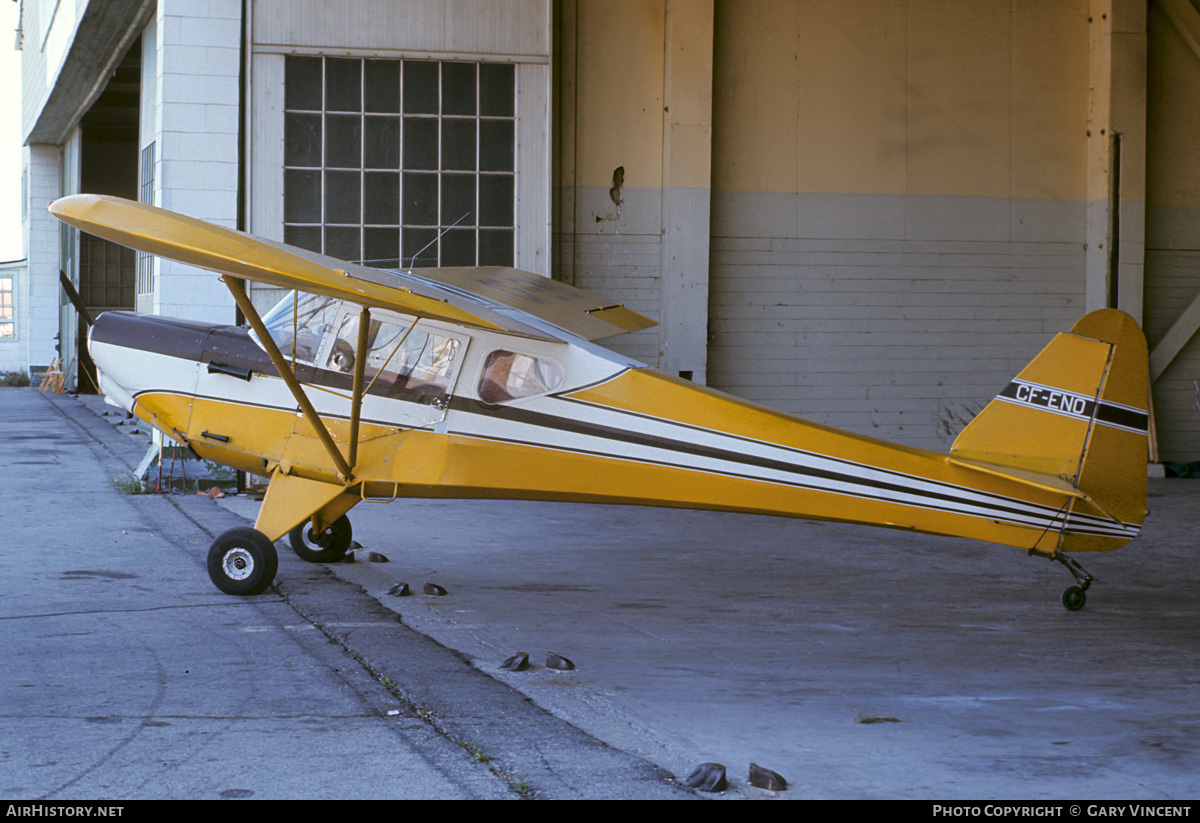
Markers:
(360, 366)
(238, 289)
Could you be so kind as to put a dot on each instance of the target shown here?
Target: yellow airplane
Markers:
(369, 385)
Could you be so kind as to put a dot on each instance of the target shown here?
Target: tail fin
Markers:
(1078, 415)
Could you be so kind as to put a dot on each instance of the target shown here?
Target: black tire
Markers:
(242, 561)
(1074, 598)
(327, 547)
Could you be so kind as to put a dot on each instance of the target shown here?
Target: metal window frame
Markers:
(8, 291)
(144, 279)
(400, 226)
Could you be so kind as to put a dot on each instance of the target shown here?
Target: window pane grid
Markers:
(145, 261)
(107, 273)
(8, 326)
(413, 159)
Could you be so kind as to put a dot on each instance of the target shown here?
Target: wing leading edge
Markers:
(489, 297)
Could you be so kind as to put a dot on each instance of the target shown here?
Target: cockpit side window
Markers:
(299, 322)
(508, 375)
(397, 354)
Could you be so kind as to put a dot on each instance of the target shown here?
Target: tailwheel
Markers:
(1073, 597)
(328, 546)
(242, 561)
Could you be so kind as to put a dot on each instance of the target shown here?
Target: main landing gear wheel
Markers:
(242, 561)
(328, 546)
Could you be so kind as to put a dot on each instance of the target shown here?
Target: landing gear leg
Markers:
(1073, 597)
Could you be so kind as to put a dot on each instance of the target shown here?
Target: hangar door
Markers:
(1172, 275)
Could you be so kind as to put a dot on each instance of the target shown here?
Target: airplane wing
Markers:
(491, 298)
(565, 307)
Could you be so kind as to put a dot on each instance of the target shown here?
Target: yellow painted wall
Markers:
(983, 98)
(1173, 115)
(619, 92)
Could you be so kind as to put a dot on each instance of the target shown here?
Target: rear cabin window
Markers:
(508, 375)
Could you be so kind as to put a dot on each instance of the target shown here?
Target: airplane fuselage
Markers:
(609, 430)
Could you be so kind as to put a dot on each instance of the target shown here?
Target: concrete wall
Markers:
(47, 29)
(69, 51)
(896, 212)
(196, 125)
(633, 172)
(870, 214)
(42, 168)
(516, 28)
(612, 72)
(44, 49)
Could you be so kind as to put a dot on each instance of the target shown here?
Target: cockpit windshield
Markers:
(299, 323)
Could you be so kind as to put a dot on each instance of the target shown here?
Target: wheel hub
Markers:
(238, 564)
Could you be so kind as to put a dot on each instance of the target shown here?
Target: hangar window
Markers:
(107, 273)
(400, 163)
(508, 376)
(8, 324)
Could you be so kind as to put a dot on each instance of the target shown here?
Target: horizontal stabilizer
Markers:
(1037, 480)
(1045, 482)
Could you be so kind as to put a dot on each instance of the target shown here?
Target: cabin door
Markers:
(410, 372)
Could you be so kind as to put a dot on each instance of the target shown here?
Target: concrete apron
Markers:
(128, 675)
(855, 662)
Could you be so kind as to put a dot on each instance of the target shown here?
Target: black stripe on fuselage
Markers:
(1051, 520)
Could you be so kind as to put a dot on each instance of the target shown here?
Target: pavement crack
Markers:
(145, 720)
(85, 612)
(410, 707)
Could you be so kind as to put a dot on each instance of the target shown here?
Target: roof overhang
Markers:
(105, 32)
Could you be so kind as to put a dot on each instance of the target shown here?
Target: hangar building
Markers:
(870, 213)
